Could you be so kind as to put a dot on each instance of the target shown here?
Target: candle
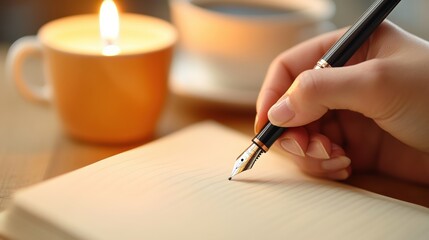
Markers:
(103, 34)
(109, 28)
(107, 79)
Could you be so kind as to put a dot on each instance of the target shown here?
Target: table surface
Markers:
(33, 146)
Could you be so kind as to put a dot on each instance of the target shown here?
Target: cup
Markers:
(236, 40)
(113, 99)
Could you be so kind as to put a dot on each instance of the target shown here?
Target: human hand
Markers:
(371, 115)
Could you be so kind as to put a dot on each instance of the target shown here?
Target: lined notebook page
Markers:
(177, 188)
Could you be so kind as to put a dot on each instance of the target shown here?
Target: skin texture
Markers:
(372, 115)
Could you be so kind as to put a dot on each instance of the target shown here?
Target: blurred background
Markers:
(33, 148)
(24, 17)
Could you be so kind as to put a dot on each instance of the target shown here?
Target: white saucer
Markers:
(192, 78)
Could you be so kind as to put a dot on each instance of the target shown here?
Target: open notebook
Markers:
(177, 188)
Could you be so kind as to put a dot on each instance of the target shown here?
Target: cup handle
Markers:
(19, 51)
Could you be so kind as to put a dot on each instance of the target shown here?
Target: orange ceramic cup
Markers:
(103, 99)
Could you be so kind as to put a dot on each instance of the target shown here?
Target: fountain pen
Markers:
(336, 56)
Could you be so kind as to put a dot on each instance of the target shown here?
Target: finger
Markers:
(317, 161)
(339, 175)
(286, 67)
(300, 143)
(319, 147)
(316, 167)
(314, 92)
(295, 141)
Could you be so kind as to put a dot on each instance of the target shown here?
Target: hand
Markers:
(370, 115)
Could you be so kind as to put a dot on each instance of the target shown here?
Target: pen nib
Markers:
(246, 160)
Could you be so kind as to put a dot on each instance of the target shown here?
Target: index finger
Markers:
(286, 67)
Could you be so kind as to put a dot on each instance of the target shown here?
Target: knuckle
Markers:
(379, 70)
(309, 85)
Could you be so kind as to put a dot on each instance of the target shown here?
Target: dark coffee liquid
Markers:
(244, 9)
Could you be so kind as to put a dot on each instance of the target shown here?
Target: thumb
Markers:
(316, 91)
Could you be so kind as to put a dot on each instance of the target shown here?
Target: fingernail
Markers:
(316, 150)
(281, 112)
(336, 163)
(340, 175)
(292, 146)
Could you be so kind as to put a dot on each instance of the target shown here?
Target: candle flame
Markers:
(109, 27)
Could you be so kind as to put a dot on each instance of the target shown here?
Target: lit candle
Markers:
(109, 28)
(100, 34)
(108, 84)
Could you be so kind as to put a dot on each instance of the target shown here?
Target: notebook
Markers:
(177, 188)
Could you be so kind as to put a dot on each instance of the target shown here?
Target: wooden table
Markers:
(33, 146)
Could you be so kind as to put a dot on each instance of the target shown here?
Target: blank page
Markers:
(177, 188)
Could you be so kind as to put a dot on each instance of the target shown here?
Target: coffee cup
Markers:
(236, 40)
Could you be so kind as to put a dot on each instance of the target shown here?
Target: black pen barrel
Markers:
(349, 43)
(269, 134)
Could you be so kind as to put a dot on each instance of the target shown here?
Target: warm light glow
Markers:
(109, 27)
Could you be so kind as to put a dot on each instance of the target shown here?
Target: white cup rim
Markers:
(317, 10)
